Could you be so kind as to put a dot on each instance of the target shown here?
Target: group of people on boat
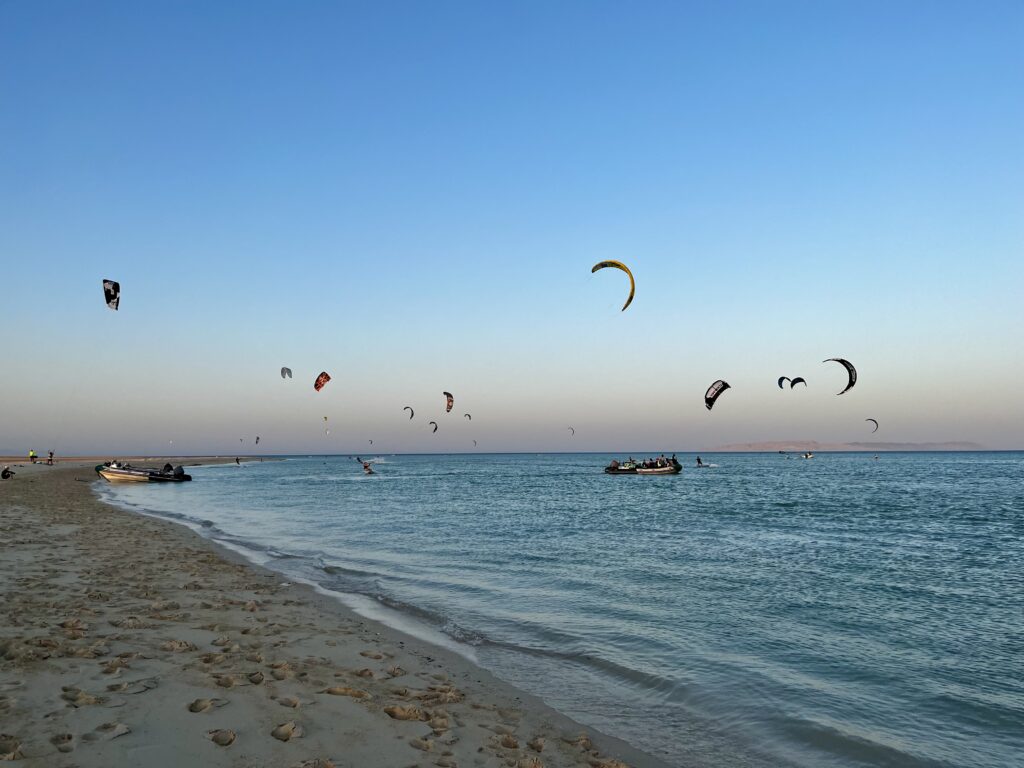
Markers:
(658, 463)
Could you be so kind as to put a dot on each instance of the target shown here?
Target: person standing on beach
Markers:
(49, 459)
(32, 455)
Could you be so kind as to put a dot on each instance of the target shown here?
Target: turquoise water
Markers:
(842, 611)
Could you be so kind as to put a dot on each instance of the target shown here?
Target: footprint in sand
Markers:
(406, 713)
(341, 690)
(221, 737)
(107, 731)
(204, 705)
(371, 654)
(318, 762)
(287, 731)
(64, 742)
(10, 747)
(255, 677)
(537, 745)
(76, 697)
(424, 744)
(177, 646)
(287, 701)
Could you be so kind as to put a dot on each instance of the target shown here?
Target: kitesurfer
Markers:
(699, 462)
(237, 461)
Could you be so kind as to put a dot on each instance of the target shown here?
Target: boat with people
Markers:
(658, 466)
(122, 472)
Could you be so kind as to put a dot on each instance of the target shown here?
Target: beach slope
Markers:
(126, 640)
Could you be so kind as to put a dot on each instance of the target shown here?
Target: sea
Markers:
(767, 610)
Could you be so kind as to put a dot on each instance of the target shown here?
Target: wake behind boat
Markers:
(122, 472)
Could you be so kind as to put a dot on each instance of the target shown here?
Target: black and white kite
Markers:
(713, 393)
(112, 293)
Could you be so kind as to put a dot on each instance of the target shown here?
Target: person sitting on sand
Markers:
(6, 474)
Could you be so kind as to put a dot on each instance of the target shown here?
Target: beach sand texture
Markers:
(130, 641)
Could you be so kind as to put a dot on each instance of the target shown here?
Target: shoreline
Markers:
(197, 621)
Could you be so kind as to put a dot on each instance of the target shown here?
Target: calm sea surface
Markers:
(770, 611)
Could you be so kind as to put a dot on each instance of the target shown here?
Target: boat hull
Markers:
(123, 476)
(659, 471)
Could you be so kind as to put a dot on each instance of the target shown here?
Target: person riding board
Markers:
(699, 462)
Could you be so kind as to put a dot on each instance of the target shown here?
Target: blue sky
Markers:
(411, 196)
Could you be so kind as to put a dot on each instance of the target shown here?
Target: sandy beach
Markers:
(128, 641)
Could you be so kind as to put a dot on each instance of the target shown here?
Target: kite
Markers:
(714, 391)
(257, 439)
(875, 423)
(286, 372)
(410, 410)
(435, 425)
(573, 431)
(371, 442)
(451, 401)
(322, 379)
(797, 380)
(850, 370)
(624, 268)
(468, 416)
(474, 443)
(785, 378)
(112, 293)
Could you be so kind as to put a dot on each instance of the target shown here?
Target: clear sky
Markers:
(410, 195)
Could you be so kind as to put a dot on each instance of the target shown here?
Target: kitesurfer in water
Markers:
(237, 461)
(699, 462)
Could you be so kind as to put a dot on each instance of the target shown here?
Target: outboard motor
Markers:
(167, 469)
(178, 471)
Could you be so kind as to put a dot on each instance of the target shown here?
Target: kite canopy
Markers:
(624, 268)
(410, 410)
(450, 401)
(468, 416)
(797, 380)
(286, 372)
(321, 380)
(850, 370)
(782, 379)
(573, 431)
(713, 393)
(112, 293)
(875, 423)
(435, 425)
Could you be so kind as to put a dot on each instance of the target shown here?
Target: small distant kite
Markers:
(410, 410)
(850, 370)
(713, 393)
(624, 268)
(782, 379)
(474, 443)
(435, 425)
(286, 372)
(371, 442)
(573, 431)
(112, 293)
(257, 439)
(322, 379)
(875, 423)
(468, 416)
(792, 382)
(450, 401)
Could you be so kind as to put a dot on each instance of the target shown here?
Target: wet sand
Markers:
(131, 641)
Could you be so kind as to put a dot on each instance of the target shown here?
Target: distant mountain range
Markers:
(814, 445)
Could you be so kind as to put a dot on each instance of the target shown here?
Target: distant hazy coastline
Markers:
(814, 445)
